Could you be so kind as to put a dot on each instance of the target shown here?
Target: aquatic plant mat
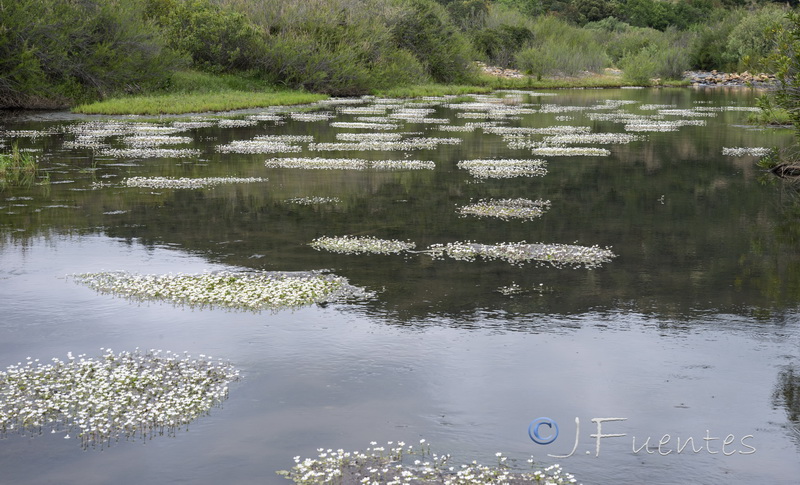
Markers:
(558, 255)
(360, 245)
(250, 290)
(387, 465)
(125, 395)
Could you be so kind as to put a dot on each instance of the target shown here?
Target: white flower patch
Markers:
(360, 245)
(139, 140)
(311, 117)
(82, 142)
(504, 168)
(265, 117)
(348, 164)
(729, 108)
(653, 107)
(557, 108)
(591, 138)
(369, 136)
(418, 143)
(457, 128)
(571, 151)
(525, 130)
(251, 291)
(688, 113)
(507, 208)
(194, 124)
(150, 152)
(228, 123)
(362, 110)
(315, 200)
(258, 146)
(285, 138)
(374, 119)
(129, 394)
(101, 129)
(662, 125)
(27, 133)
(186, 183)
(386, 465)
(364, 126)
(746, 151)
(557, 255)
(564, 118)
(623, 117)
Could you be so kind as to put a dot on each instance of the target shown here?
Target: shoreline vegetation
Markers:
(154, 57)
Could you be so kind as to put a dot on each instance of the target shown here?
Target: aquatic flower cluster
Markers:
(600, 138)
(364, 126)
(504, 168)
(138, 141)
(360, 245)
(186, 183)
(557, 255)
(254, 291)
(746, 151)
(258, 146)
(418, 143)
(348, 164)
(507, 208)
(572, 151)
(150, 152)
(230, 123)
(387, 465)
(314, 200)
(128, 394)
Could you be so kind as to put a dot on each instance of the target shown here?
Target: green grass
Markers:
(196, 102)
(771, 117)
(420, 90)
(197, 92)
(17, 168)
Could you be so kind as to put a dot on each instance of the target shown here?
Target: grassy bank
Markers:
(195, 92)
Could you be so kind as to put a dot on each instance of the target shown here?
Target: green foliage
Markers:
(752, 40)
(709, 49)
(52, 52)
(425, 29)
(217, 39)
(498, 45)
(17, 168)
(562, 49)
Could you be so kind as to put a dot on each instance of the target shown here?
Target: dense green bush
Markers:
(54, 52)
(217, 39)
(754, 38)
(562, 49)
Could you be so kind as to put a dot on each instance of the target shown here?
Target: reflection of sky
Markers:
(336, 378)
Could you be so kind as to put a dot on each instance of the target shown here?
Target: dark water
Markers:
(692, 330)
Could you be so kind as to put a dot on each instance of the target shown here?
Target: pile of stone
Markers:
(499, 71)
(715, 78)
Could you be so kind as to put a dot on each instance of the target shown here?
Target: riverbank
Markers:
(195, 92)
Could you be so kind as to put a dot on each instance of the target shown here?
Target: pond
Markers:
(687, 327)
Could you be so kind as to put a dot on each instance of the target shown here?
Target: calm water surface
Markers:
(691, 331)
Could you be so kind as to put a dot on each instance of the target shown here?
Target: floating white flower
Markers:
(258, 146)
(360, 245)
(186, 183)
(311, 117)
(504, 168)
(571, 151)
(237, 123)
(129, 394)
(253, 291)
(359, 137)
(140, 140)
(314, 200)
(150, 152)
(507, 208)
(386, 465)
(348, 164)
(745, 151)
(558, 255)
(364, 126)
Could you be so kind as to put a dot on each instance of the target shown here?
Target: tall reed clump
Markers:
(17, 168)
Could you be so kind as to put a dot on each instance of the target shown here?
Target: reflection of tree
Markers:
(787, 394)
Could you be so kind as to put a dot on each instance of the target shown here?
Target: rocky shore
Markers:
(696, 78)
(714, 78)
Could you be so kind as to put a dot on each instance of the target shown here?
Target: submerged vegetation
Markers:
(123, 395)
(389, 465)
